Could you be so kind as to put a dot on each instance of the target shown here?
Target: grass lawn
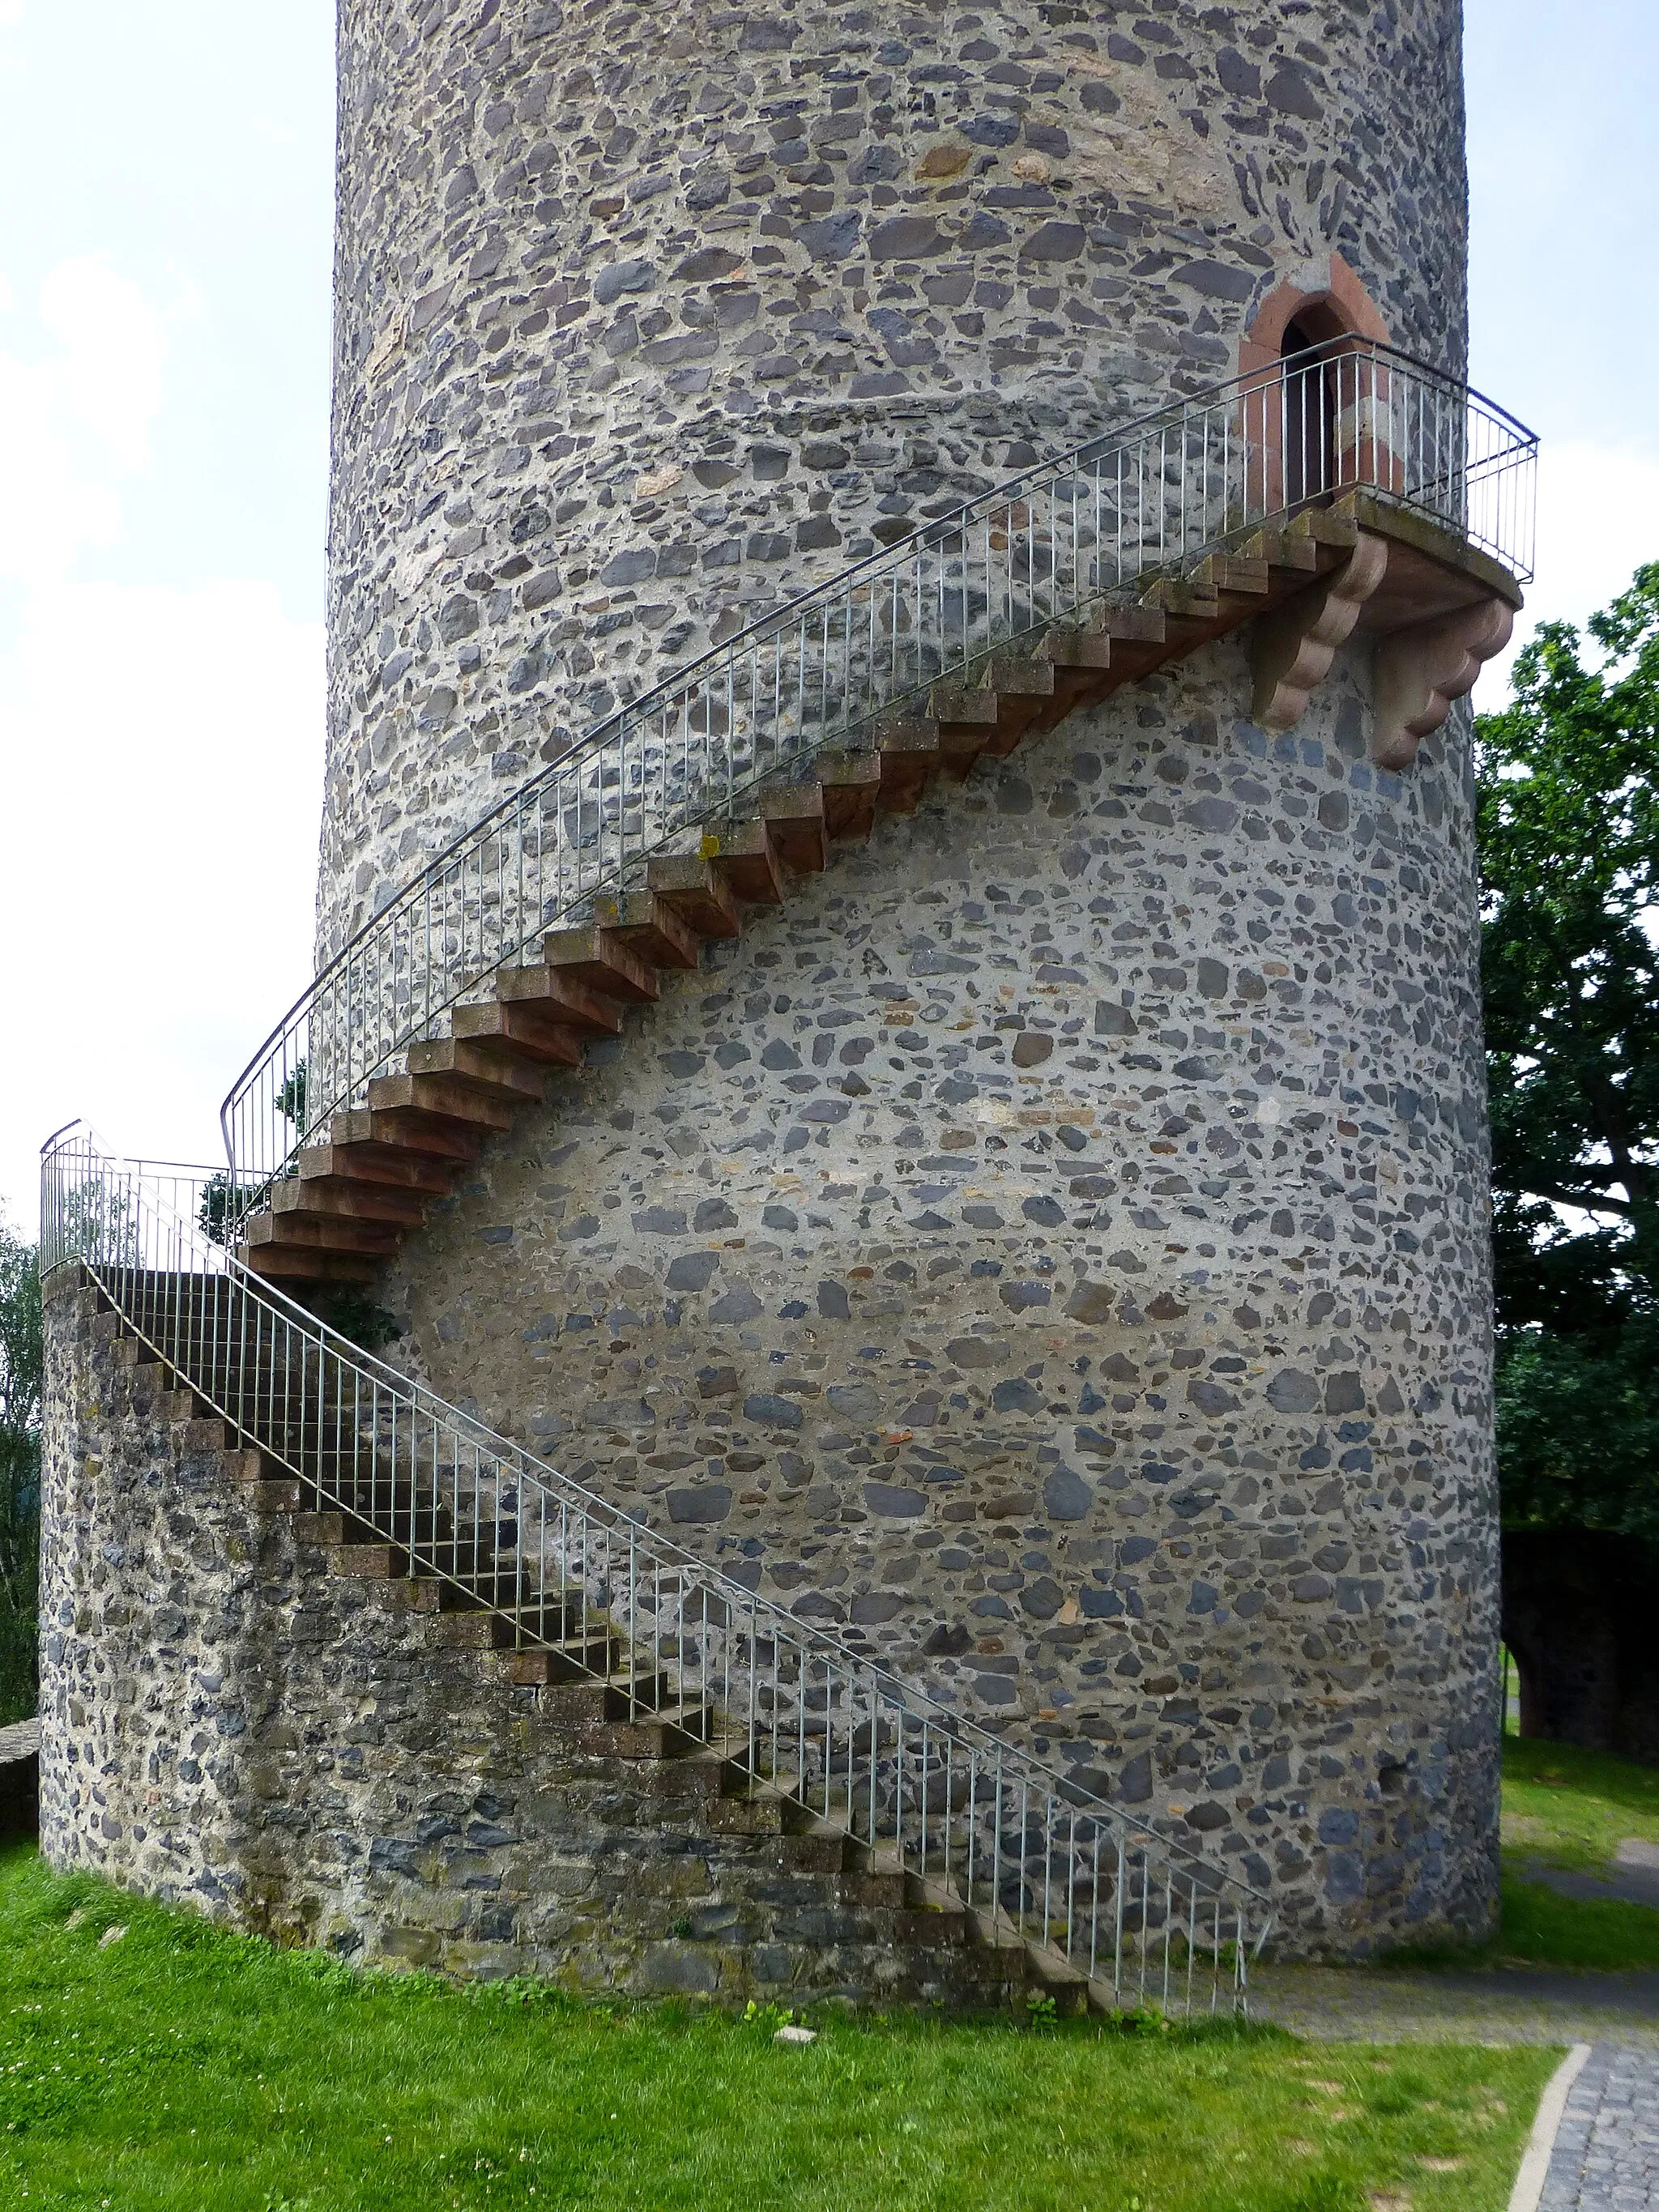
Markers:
(1539, 1928)
(179, 2070)
(1572, 1808)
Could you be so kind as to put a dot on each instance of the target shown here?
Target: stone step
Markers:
(376, 1164)
(349, 1197)
(794, 816)
(652, 931)
(598, 958)
(743, 855)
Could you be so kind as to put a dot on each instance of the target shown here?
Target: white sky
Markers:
(165, 173)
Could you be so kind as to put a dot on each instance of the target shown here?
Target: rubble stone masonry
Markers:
(648, 316)
(1054, 1246)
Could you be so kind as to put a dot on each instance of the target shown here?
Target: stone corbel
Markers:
(1292, 648)
(1421, 669)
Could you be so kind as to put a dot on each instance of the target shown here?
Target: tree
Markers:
(1568, 824)
(20, 1372)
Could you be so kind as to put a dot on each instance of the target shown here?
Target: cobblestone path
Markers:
(1606, 2151)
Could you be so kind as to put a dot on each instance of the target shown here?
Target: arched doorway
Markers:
(1310, 419)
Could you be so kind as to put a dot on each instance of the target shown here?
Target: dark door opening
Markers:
(1308, 435)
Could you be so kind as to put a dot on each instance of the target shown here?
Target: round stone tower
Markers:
(646, 319)
(1055, 1246)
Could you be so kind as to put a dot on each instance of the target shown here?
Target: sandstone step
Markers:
(320, 1231)
(850, 779)
(396, 1131)
(561, 997)
(743, 856)
(598, 958)
(449, 1094)
(457, 1067)
(794, 816)
(650, 929)
(689, 888)
(302, 1265)
(348, 1197)
(522, 1034)
(378, 1164)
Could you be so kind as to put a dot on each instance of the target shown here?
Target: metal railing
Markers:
(819, 674)
(1150, 1920)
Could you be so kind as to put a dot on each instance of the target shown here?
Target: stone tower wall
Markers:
(647, 317)
(1056, 1248)
(306, 1754)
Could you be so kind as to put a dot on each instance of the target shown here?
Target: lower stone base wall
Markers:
(227, 1724)
(304, 1756)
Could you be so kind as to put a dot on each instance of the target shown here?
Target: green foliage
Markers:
(183, 2070)
(1578, 1428)
(356, 1317)
(1569, 836)
(225, 1203)
(22, 1362)
(291, 1099)
(97, 1219)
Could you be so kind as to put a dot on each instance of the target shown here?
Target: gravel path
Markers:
(1631, 1876)
(1380, 2005)
(1606, 2151)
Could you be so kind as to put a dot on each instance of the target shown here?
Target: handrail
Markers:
(1053, 541)
(796, 1705)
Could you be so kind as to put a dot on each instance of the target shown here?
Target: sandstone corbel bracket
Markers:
(1422, 669)
(1293, 647)
(1423, 663)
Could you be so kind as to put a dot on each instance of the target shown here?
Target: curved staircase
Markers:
(343, 1214)
(538, 929)
(542, 927)
(841, 1812)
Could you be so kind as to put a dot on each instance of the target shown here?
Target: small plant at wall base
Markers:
(21, 1368)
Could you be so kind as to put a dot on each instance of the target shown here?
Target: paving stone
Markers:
(1606, 2151)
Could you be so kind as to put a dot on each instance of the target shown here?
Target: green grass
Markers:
(1542, 1930)
(1572, 1808)
(181, 2069)
(1567, 1808)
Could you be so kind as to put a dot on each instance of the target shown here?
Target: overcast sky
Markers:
(166, 170)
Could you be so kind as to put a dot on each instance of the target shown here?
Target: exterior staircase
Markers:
(826, 1788)
(344, 1206)
(828, 1797)
(830, 1913)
